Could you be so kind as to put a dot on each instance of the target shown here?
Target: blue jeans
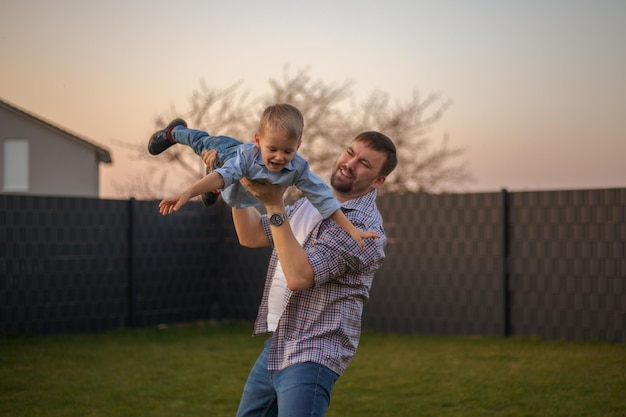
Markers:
(300, 390)
(199, 141)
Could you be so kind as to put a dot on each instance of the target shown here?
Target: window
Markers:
(15, 165)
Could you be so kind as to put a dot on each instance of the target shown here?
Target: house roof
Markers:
(102, 154)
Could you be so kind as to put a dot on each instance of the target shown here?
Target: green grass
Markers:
(199, 370)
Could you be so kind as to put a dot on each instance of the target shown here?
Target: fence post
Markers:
(130, 296)
(506, 295)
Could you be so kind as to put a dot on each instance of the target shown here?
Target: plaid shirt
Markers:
(322, 324)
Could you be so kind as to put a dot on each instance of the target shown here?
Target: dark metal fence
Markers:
(83, 265)
(550, 264)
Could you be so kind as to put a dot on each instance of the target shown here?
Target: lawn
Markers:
(200, 369)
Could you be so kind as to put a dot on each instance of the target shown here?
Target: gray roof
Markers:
(102, 154)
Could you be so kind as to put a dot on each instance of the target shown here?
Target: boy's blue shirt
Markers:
(249, 163)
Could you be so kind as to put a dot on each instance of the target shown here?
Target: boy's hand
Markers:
(172, 204)
(360, 235)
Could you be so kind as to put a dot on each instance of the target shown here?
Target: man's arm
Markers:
(249, 228)
(247, 221)
(293, 258)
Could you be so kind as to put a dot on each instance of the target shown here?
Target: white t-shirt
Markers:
(302, 222)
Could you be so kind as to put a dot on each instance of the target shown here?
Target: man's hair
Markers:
(381, 143)
(285, 117)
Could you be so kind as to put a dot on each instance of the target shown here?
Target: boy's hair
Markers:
(285, 117)
(381, 143)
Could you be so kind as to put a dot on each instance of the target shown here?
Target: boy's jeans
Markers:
(199, 141)
(297, 391)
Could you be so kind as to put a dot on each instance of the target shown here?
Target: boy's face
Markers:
(277, 150)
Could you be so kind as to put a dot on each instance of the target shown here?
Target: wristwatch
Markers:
(277, 219)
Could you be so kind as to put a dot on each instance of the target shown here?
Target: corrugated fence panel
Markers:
(84, 265)
(62, 264)
(568, 264)
(244, 276)
(177, 268)
(442, 273)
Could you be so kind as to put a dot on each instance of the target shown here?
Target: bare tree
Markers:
(220, 112)
(422, 167)
(332, 119)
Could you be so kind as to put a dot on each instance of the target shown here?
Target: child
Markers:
(272, 157)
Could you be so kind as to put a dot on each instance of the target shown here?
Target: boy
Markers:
(272, 157)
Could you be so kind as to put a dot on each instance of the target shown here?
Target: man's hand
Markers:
(271, 195)
(209, 158)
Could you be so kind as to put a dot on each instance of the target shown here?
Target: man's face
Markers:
(277, 150)
(356, 172)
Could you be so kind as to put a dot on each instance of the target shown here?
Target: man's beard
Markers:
(338, 185)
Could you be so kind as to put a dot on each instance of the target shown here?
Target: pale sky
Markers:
(538, 88)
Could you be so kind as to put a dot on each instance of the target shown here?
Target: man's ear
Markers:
(379, 181)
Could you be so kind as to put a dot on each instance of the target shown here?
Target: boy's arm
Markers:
(210, 182)
(316, 190)
(356, 234)
(321, 196)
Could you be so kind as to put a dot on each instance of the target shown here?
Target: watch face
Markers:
(277, 219)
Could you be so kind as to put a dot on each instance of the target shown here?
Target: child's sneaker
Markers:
(210, 198)
(162, 139)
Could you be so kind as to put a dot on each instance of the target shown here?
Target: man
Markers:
(317, 283)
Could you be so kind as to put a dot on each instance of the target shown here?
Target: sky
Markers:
(538, 88)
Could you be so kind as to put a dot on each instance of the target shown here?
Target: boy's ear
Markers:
(257, 140)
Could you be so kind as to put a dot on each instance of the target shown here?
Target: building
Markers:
(39, 158)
